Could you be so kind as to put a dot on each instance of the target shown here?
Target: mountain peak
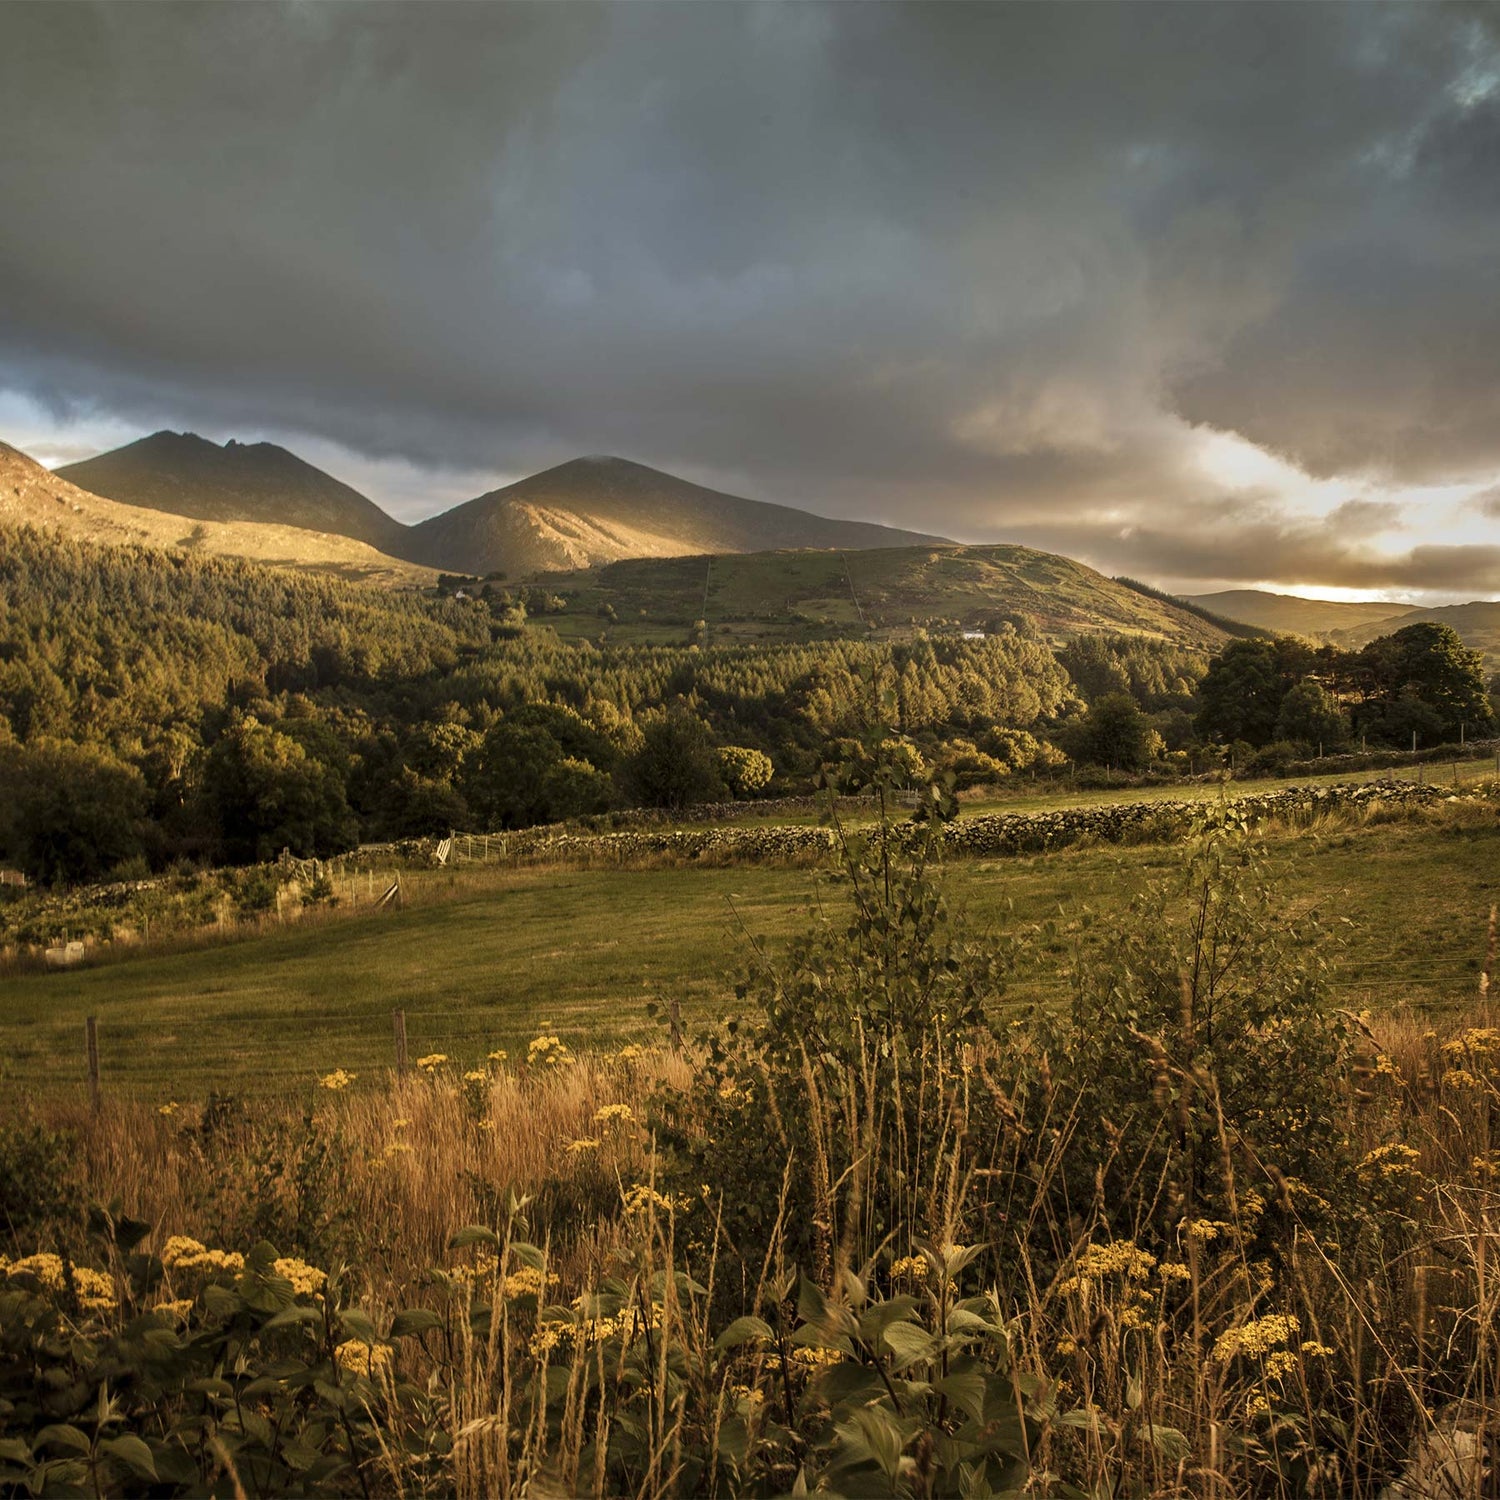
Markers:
(193, 476)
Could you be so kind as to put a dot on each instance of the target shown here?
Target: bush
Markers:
(745, 772)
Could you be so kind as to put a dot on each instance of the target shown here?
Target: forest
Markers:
(157, 707)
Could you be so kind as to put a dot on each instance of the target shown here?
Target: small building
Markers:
(12, 877)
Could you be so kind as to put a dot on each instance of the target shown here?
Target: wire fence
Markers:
(279, 1054)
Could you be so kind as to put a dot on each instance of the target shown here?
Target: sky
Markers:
(1205, 294)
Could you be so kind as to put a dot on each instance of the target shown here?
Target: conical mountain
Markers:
(188, 475)
(601, 509)
(31, 495)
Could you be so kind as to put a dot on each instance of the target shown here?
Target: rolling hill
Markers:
(1288, 615)
(1477, 624)
(31, 495)
(889, 590)
(187, 475)
(598, 510)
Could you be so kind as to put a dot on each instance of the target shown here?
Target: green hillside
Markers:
(1287, 614)
(878, 592)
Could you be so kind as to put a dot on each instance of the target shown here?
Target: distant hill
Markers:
(1477, 624)
(31, 495)
(879, 591)
(1288, 615)
(598, 510)
(187, 475)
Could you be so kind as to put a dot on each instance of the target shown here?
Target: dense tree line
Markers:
(156, 707)
(1417, 686)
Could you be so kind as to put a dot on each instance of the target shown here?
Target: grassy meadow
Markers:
(482, 957)
(1200, 1231)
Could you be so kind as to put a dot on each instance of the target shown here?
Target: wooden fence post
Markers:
(398, 1025)
(91, 1040)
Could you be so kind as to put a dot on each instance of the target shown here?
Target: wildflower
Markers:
(1257, 1406)
(397, 1148)
(306, 1280)
(1203, 1230)
(1255, 1338)
(362, 1358)
(1390, 1161)
(910, 1268)
(527, 1281)
(548, 1052)
(631, 1052)
(577, 1148)
(432, 1062)
(167, 1110)
(498, 1056)
(399, 1124)
(179, 1310)
(181, 1253)
(1173, 1270)
(44, 1266)
(1461, 1078)
(1386, 1067)
(336, 1080)
(614, 1114)
(486, 1123)
(641, 1198)
(476, 1075)
(1315, 1350)
(1120, 1258)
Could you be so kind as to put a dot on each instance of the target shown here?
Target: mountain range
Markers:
(584, 512)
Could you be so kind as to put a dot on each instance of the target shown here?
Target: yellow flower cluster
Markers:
(432, 1062)
(183, 1254)
(630, 1052)
(548, 1052)
(1204, 1230)
(167, 1110)
(96, 1292)
(1120, 1258)
(909, 1268)
(1478, 1042)
(476, 1075)
(370, 1360)
(1390, 1161)
(498, 1056)
(178, 1309)
(578, 1147)
(641, 1198)
(306, 1280)
(336, 1080)
(1256, 1338)
(614, 1114)
(626, 1324)
(527, 1281)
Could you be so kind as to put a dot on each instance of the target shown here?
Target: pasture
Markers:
(486, 958)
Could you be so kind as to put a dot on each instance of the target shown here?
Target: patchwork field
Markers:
(484, 958)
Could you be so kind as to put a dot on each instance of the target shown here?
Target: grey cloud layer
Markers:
(968, 266)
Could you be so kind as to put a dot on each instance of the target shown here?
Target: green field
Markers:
(489, 958)
(814, 595)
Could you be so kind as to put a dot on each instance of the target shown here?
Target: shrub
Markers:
(745, 772)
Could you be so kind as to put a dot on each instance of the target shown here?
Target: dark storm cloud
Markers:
(973, 267)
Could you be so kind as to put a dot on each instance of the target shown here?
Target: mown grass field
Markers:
(486, 958)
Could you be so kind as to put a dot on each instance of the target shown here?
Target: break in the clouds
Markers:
(1207, 293)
